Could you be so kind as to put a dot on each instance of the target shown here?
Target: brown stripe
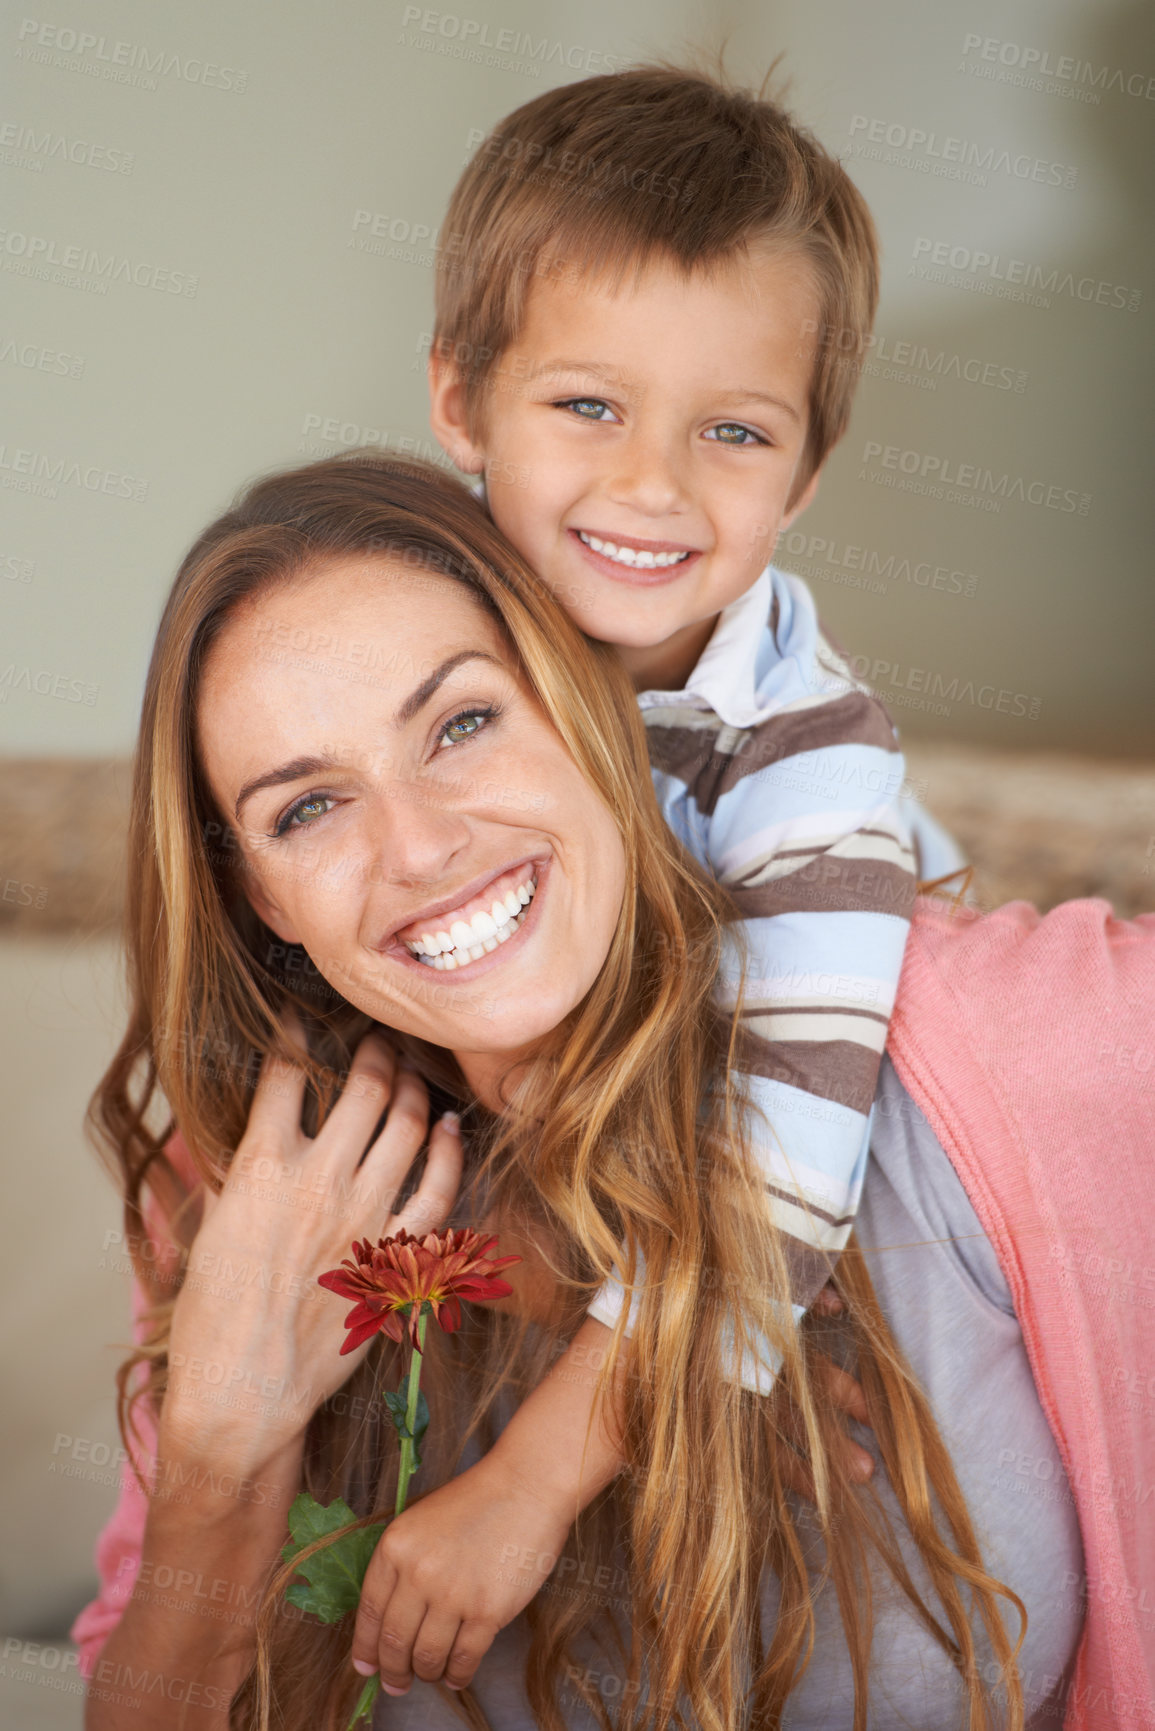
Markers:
(856, 719)
(688, 753)
(809, 1269)
(810, 1207)
(860, 886)
(837, 1070)
(783, 1007)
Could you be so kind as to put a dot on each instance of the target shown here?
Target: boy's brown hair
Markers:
(604, 174)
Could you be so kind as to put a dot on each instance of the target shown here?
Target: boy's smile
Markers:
(662, 424)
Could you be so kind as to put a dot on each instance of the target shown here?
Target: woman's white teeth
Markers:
(466, 940)
(636, 556)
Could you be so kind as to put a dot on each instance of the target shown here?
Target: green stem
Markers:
(406, 1470)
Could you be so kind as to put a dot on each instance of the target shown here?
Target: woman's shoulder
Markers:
(1031, 1013)
(1078, 942)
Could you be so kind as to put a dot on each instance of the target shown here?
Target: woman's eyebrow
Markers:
(300, 766)
(416, 701)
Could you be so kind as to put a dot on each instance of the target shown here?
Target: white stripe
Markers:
(792, 988)
(859, 1030)
(885, 849)
(801, 831)
(807, 1228)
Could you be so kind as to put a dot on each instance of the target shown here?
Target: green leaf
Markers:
(333, 1577)
(397, 1403)
(364, 1707)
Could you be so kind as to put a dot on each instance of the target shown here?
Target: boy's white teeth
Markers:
(466, 940)
(636, 556)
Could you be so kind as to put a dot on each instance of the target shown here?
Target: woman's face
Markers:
(405, 810)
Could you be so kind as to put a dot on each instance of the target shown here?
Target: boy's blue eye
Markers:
(589, 408)
(731, 433)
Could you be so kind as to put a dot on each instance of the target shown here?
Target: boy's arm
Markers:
(564, 1440)
(810, 839)
(460, 1564)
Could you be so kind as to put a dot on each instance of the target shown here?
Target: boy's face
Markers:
(641, 446)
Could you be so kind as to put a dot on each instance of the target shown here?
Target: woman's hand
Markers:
(450, 1572)
(255, 1345)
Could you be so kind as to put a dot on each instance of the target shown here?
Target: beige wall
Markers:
(233, 172)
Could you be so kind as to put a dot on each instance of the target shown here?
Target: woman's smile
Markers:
(478, 924)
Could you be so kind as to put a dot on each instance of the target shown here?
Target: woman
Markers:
(360, 687)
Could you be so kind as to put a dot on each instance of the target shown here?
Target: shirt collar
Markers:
(724, 678)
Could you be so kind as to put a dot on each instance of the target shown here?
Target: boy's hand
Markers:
(845, 1393)
(450, 1572)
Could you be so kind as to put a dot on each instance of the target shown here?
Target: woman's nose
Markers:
(415, 839)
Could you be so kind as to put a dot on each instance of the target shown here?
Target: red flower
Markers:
(400, 1272)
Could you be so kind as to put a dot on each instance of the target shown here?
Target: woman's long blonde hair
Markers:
(627, 1144)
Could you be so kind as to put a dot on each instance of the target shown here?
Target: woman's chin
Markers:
(495, 1036)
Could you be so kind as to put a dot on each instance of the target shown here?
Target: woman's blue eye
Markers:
(465, 726)
(307, 810)
(730, 433)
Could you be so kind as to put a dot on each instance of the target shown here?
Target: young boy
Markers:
(640, 275)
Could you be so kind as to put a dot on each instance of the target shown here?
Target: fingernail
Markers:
(451, 1121)
(863, 1466)
(364, 1667)
(390, 1690)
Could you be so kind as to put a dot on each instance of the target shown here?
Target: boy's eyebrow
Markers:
(747, 396)
(548, 370)
(416, 701)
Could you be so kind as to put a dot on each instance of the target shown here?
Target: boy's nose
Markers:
(647, 476)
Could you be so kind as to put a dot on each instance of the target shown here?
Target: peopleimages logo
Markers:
(946, 478)
(1031, 279)
(926, 688)
(40, 255)
(25, 147)
(1038, 64)
(842, 562)
(122, 62)
(517, 50)
(934, 153)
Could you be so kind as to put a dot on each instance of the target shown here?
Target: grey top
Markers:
(942, 1292)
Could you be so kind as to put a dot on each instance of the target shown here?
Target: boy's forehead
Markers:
(604, 319)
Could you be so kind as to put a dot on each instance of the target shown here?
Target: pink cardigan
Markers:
(1029, 1042)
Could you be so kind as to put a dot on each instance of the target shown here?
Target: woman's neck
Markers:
(493, 1077)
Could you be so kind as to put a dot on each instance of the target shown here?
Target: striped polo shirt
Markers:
(782, 774)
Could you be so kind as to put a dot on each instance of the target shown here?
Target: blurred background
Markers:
(217, 258)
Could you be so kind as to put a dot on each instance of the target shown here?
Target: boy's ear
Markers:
(447, 415)
(804, 498)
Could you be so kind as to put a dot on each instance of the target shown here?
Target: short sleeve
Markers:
(121, 1541)
(120, 1544)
